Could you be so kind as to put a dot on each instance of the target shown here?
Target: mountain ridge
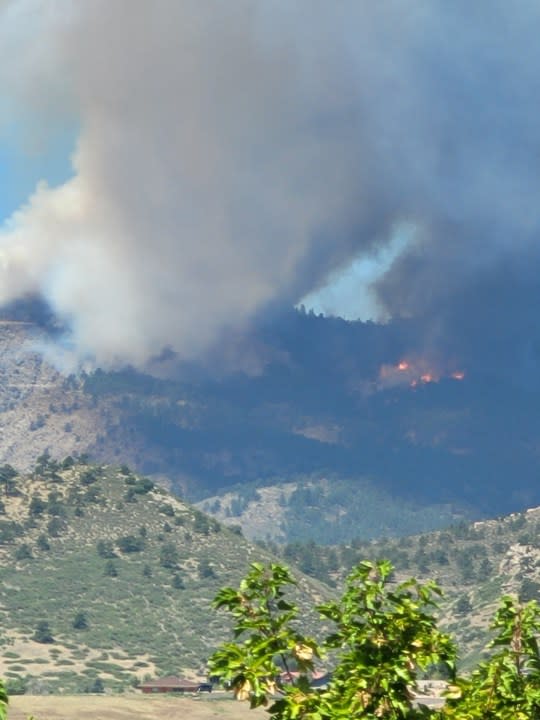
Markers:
(312, 410)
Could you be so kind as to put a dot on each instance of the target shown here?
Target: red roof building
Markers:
(174, 684)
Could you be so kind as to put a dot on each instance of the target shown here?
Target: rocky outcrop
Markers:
(40, 409)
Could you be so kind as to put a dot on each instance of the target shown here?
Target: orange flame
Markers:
(414, 373)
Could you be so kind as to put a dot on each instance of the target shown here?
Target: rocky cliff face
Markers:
(40, 409)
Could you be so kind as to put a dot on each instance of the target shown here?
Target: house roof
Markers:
(294, 674)
(170, 681)
(317, 678)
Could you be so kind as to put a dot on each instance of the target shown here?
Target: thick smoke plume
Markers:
(232, 155)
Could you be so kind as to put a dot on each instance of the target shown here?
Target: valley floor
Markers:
(128, 707)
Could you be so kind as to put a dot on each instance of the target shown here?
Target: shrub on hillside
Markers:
(43, 633)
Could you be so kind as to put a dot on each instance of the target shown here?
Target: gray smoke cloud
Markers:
(232, 155)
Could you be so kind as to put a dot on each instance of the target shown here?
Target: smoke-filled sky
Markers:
(231, 156)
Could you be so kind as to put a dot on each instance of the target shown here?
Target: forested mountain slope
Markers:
(326, 402)
(475, 563)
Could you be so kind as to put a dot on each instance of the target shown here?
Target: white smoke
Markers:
(200, 179)
(232, 154)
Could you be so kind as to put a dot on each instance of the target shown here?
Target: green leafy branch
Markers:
(384, 634)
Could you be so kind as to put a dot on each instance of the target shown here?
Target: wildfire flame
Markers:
(414, 373)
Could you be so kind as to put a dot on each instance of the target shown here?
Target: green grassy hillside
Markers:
(107, 578)
(104, 575)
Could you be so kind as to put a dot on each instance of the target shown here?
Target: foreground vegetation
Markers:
(383, 636)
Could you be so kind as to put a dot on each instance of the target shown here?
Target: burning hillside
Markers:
(413, 373)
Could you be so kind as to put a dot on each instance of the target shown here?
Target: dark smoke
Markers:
(232, 155)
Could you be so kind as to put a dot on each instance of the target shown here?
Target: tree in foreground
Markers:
(384, 635)
(507, 686)
(3, 701)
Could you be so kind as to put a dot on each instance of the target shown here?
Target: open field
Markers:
(128, 707)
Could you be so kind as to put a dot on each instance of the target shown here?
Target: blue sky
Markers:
(347, 293)
(21, 167)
